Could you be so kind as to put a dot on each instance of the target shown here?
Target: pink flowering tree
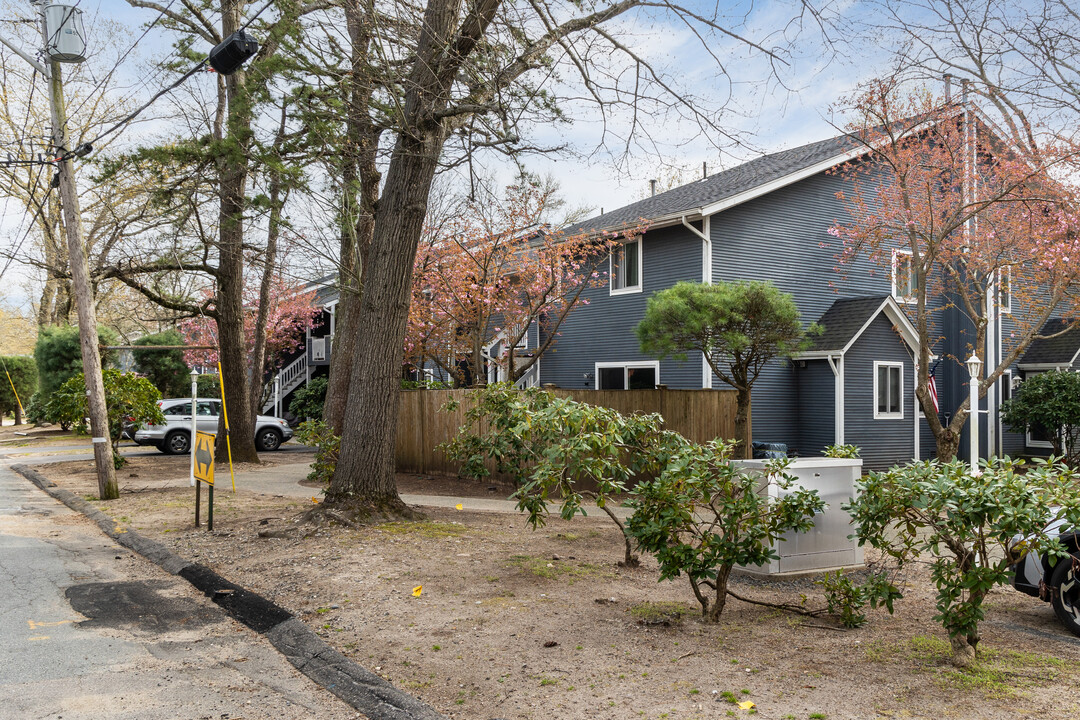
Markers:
(490, 275)
(291, 314)
(957, 210)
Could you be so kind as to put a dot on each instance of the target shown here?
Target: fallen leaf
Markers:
(417, 590)
(459, 506)
(746, 705)
(315, 500)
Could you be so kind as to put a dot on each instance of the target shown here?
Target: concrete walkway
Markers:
(285, 480)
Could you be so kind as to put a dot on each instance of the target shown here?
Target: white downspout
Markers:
(915, 411)
(837, 367)
(706, 278)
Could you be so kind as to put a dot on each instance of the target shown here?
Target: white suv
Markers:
(174, 437)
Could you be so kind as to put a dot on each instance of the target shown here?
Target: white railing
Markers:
(288, 379)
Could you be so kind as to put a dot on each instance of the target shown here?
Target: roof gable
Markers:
(847, 319)
(1056, 351)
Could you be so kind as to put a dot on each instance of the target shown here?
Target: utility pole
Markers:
(80, 278)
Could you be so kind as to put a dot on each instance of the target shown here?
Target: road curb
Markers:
(306, 651)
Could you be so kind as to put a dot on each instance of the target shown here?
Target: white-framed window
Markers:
(1006, 391)
(643, 375)
(1036, 436)
(888, 391)
(625, 268)
(1004, 289)
(905, 281)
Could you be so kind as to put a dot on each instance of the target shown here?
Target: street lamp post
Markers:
(974, 365)
(194, 408)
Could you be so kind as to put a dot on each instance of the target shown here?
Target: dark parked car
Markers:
(174, 437)
(1054, 581)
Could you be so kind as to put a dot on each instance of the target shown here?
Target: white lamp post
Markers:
(974, 364)
(191, 443)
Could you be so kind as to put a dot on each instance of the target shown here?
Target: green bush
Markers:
(166, 369)
(307, 402)
(1049, 401)
(318, 434)
(842, 451)
(59, 356)
(208, 387)
(128, 398)
(22, 371)
(965, 525)
(552, 447)
(846, 598)
(703, 515)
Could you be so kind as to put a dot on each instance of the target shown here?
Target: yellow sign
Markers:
(204, 457)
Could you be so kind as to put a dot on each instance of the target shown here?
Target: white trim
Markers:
(1042, 367)
(707, 278)
(888, 415)
(906, 299)
(597, 367)
(794, 177)
(612, 290)
(892, 311)
(837, 368)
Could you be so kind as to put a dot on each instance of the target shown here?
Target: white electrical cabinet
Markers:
(827, 545)
(66, 36)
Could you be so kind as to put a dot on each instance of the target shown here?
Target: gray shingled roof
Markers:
(1055, 350)
(722, 185)
(843, 320)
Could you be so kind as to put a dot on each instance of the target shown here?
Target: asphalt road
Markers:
(89, 630)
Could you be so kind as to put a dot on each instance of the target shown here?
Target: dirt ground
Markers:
(514, 623)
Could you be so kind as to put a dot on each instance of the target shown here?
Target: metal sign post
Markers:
(204, 472)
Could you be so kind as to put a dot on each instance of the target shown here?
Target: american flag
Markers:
(931, 387)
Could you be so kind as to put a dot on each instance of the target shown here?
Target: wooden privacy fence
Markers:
(700, 415)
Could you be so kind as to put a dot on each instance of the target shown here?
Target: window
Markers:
(626, 268)
(207, 408)
(905, 281)
(1004, 289)
(888, 391)
(318, 349)
(627, 376)
(177, 410)
(1006, 386)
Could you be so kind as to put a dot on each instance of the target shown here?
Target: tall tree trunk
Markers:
(360, 185)
(232, 178)
(365, 469)
(258, 353)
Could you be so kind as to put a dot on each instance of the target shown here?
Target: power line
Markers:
(131, 116)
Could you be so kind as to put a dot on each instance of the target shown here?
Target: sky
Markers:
(764, 110)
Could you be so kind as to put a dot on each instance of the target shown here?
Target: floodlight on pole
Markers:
(974, 365)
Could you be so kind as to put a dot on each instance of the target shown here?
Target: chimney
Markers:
(948, 78)
(965, 85)
(704, 170)
(652, 185)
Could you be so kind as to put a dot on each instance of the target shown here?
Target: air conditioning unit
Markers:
(67, 38)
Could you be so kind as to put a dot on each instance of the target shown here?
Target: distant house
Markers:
(767, 219)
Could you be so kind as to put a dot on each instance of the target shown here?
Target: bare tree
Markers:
(456, 79)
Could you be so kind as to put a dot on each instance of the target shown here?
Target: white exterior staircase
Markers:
(288, 379)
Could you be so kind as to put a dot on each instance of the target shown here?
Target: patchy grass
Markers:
(554, 569)
(659, 613)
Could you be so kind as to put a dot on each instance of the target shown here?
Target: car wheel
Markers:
(176, 443)
(268, 440)
(1065, 582)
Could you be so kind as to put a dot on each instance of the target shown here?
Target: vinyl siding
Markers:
(883, 442)
(603, 330)
(816, 407)
(783, 238)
